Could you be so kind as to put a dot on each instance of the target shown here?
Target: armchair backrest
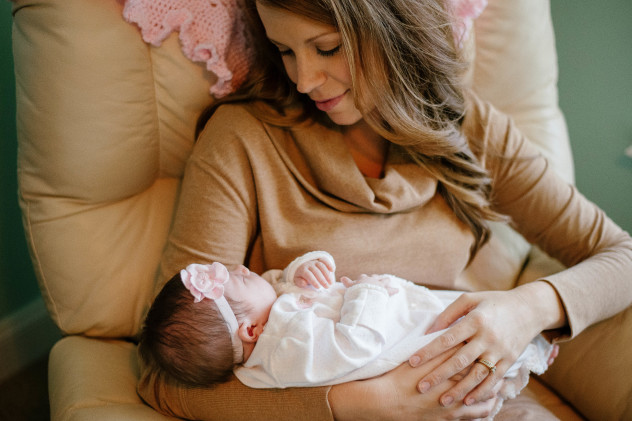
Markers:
(106, 123)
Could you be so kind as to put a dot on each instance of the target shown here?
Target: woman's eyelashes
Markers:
(328, 53)
(324, 53)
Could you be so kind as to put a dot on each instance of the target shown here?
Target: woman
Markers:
(355, 120)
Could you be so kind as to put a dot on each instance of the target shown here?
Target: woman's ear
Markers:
(248, 331)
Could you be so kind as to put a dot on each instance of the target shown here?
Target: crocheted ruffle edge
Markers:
(223, 47)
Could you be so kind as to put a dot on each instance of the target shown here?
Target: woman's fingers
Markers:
(462, 359)
(478, 385)
(478, 410)
(482, 377)
(494, 333)
(391, 396)
(457, 309)
(459, 333)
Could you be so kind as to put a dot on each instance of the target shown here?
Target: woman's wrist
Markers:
(545, 304)
(350, 401)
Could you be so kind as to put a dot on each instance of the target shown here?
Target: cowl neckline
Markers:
(321, 161)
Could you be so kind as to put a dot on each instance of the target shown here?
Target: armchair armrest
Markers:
(590, 371)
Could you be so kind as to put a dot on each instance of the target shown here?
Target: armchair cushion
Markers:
(96, 379)
(105, 127)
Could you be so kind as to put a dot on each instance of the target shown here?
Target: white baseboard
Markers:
(25, 336)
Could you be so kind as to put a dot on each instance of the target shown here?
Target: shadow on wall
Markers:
(26, 331)
(18, 286)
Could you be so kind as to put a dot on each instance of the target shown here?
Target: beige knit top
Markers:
(260, 195)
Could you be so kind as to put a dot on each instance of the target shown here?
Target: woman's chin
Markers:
(344, 119)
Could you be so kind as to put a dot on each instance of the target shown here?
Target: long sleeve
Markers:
(551, 213)
(318, 345)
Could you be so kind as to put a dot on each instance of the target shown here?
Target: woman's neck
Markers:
(367, 148)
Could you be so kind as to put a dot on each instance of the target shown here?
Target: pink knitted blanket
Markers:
(210, 31)
(213, 31)
(464, 12)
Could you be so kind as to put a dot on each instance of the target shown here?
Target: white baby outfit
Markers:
(336, 335)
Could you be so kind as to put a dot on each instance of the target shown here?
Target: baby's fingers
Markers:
(328, 264)
(313, 275)
(325, 273)
(347, 282)
(306, 278)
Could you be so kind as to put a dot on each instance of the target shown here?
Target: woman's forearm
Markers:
(232, 400)
(393, 396)
(341, 395)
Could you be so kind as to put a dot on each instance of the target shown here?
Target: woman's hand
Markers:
(393, 396)
(494, 326)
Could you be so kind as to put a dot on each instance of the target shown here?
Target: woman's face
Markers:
(313, 59)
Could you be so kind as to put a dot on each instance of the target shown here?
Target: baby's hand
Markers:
(317, 273)
(383, 281)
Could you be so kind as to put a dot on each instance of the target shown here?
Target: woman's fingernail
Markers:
(446, 400)
(414, 361)
(469, 401)
(423, 387)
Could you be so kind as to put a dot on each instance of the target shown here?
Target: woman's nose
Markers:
(309, 76)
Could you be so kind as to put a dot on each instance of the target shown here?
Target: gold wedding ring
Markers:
(491, 367)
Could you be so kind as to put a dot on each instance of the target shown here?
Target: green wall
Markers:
(594, 45)
(17, 280)
(595, 56)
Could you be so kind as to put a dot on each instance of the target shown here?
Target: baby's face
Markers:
(251, 289)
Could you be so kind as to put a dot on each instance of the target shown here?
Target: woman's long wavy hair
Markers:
(402, 52)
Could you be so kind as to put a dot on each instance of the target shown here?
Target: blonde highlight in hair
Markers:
(403, 53)
(400, 52)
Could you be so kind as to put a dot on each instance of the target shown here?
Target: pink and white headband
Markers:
(207, 281)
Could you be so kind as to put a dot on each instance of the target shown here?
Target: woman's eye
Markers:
(329, 53)
(285, 52)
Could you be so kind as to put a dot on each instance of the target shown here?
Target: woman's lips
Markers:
(329, 104)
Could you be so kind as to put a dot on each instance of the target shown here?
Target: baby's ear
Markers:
(249, 332)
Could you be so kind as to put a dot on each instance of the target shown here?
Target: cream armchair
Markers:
(106, 124)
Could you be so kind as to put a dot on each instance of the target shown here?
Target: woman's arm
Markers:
(232, 401)
(393, 396)
(497, 326)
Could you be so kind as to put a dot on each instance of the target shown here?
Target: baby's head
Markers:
(199, 326)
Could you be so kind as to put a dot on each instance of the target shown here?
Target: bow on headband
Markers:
(207, 281)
